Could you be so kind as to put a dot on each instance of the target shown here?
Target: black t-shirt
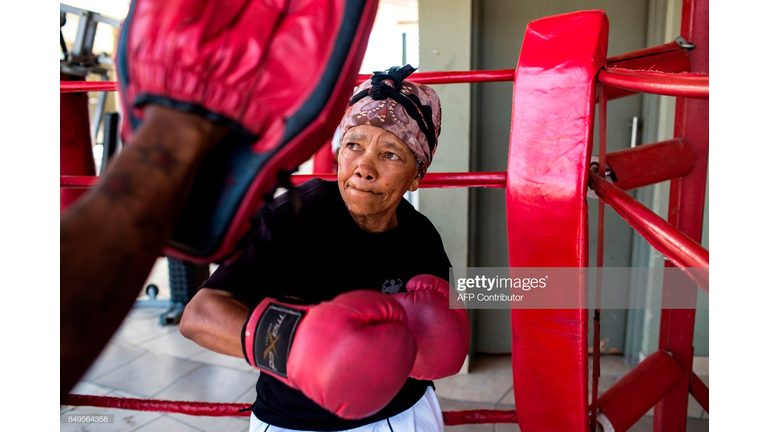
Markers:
(310, 247)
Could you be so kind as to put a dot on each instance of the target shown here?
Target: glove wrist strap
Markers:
(269, 334)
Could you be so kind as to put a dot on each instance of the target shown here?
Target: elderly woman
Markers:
(328, 238)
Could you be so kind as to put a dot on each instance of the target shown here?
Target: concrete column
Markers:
(445, 28)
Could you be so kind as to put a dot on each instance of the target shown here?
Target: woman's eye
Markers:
(353, 146)
(392, 156)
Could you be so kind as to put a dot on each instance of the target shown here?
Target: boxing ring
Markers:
(549, 172)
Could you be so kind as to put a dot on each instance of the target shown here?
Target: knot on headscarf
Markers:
(387, 85)
(391, 80)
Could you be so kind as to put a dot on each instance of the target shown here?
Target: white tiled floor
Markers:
(145, 360)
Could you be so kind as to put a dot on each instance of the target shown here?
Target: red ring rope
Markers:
(431, 180)
(682, 84)
(451, 77)
(634, 77)
(681, 250)
(456, 77)
(693, 85)
(209, 409)
(81, 86)
(453, 418)
(213, 409)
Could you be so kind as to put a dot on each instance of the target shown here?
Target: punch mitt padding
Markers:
(278, 73)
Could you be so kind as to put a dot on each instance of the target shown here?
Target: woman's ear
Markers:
(415, 183)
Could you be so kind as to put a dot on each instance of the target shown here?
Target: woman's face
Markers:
(375, 169)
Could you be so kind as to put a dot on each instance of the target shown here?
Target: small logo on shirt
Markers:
(391, 286)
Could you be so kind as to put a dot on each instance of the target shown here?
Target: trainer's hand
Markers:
(350, 355)
(442, 334)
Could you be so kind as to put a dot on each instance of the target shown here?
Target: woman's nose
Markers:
(366, 167)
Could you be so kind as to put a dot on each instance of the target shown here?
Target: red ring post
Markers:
(553, 116)
(686, 213)
(76, 152)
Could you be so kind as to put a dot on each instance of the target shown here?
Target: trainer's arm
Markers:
(214, 319)
(112, 236)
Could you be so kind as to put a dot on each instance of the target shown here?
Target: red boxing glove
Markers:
(442, 334)
(350, 355)
(278, 73)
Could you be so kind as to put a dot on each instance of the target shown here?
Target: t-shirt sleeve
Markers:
(253, 275)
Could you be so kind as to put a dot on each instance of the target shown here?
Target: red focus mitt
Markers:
(350, 355)
(277, 72)
(442, 334)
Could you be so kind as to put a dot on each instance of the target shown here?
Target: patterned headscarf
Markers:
(408, 110)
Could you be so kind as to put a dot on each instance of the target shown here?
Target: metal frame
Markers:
(80, 60)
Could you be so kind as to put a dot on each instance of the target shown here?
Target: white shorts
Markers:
(424, 416)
